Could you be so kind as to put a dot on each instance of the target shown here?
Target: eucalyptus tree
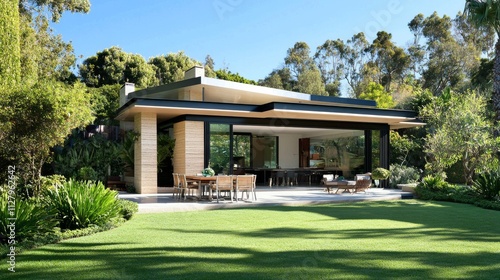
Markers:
(391, 60)
(298, 59)
(329, 59)
(486, 13)
(416, 50)
(449, 54)
(309, 81)
(355, 58)
(55, 7)
(276, 79)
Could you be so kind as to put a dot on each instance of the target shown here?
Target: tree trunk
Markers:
(495, 97)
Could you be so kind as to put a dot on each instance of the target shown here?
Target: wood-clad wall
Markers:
(189, 147)
(145, 153)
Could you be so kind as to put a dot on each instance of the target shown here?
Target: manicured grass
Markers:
(405, 239)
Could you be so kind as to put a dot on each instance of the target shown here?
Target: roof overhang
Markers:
(222, 91)
(169, 109)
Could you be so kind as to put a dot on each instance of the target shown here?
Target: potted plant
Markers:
(380, 174)
(208, 172)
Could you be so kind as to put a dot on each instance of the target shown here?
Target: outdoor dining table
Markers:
(202, 181)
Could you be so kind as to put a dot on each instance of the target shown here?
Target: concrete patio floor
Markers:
(152, 203)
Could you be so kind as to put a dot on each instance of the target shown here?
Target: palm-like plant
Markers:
(486, 13)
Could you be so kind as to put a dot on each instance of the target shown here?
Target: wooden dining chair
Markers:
(246, 183)
(177, 186)
(187, 186)
(223, 183)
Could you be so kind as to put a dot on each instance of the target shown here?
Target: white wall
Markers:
(289, 150)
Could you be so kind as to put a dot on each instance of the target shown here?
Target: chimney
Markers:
(194, 72)
(125, 90)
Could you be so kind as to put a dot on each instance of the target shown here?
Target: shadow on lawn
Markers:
(435, 220)
(176, 263)
(432, 220)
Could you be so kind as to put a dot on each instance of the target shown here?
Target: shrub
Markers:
(81, 204)
(31, 218)
(127, 208)
(380, 173)
(433, 188)
(487, 185)
(52, 181)
(87, 174)
(401, 174)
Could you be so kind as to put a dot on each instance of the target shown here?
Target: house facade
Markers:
(239, 128)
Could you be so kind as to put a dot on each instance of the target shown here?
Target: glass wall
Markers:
(342, 151)
(265, 151)
(242, 150)
(220, 148)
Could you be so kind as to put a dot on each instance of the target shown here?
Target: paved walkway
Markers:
(265, 197)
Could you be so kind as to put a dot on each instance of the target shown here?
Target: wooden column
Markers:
(145, 154)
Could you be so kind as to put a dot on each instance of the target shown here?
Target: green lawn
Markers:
(405, 239)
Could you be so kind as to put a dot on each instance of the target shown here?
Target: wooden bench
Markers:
(115, 182)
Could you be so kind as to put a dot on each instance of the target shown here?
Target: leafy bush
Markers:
(435, 188)
(81, 204)
(31, 218)
(87, 174)
(127, 208)
(434, 183)
(380, 173)
(401, 174)
(487, 185)
(96, 152)
(52, 181)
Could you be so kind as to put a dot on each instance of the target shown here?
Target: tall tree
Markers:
(171, 67)
(40, 117)
(487, 13)
(298, 59)
(114, 66)
(391, 60)
(55, 7)
(416, 50)
(354, 62)
(451, 54)
(460, 130)
(209, 67)
(309, 81)
(10, 52)
(328, 58)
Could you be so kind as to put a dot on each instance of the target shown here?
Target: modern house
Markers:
(236, 128)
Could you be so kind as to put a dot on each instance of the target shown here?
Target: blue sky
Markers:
(249, 37)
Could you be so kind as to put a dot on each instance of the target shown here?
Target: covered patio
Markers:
(239, 128)
(290, 196)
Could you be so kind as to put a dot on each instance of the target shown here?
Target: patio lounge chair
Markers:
(360, 185)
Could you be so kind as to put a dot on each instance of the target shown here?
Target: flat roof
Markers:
(221, 98)
(217, 90)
